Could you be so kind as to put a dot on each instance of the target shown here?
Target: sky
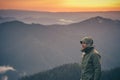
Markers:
(61, 5)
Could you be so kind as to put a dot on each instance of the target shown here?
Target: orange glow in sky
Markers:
(61, 5)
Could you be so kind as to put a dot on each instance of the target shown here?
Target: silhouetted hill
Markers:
(18, 23)
(70, 72)
(112, 74)
(97, 21)
(63, 72)
(5, 19)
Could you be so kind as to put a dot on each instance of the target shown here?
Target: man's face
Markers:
(83, 44)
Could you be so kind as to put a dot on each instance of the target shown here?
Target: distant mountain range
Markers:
(31, 48)
(48, 18)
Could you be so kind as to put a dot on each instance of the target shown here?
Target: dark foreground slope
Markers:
(70, 72)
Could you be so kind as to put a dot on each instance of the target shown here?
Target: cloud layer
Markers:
(4, 69)
(64, 21)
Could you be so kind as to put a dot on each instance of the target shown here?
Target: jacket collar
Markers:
(88, 49)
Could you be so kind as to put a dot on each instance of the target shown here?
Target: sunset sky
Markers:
(61, 5)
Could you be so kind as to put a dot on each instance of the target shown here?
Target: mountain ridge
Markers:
(97, 19)
(92, 19)
(48, 18)
(69, 72)
(48, 11)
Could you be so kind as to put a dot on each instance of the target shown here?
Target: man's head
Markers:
(86, 42)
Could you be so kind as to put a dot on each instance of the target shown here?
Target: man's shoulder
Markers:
(95, 53)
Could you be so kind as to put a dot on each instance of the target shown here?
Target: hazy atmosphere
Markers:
(37, 36)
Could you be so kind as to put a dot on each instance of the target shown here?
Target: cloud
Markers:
(64, 21)
(4, 69)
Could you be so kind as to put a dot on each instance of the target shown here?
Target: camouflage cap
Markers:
(87, 40)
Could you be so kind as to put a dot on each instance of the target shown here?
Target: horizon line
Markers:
(58, 11)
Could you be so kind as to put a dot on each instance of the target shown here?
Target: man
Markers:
(90, 66)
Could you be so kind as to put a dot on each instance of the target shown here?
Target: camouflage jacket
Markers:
(90, 66)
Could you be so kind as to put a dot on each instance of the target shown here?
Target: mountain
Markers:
(49, 18)
(112, 74)
(99, 20)
(63, 72)
(5, 19)
(70, 72)
(31, 48)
